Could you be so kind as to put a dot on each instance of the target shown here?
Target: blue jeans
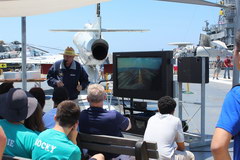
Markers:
(226, 70)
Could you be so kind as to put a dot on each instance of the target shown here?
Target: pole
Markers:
(236, 27)
(203, 100)
(180, 114)
(24, 57)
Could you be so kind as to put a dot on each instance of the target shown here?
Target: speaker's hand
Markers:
(60, 84)
(79, 87)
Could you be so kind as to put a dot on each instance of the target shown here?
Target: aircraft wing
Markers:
(97, 30)
(125, 30)
(34, 60)
(74, 30)
(22, 8)
(180, 44)
(197, 2)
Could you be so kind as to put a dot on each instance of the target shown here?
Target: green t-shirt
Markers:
(52, 145)
(20, 140)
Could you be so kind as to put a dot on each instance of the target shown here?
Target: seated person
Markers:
(60, 141)
(5, 87)
(34, 122)
(15, 106)
(59, 95)
(96, 120)
(39, 94)
(166, 129)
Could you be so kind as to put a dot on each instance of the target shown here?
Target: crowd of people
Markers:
(27, 131)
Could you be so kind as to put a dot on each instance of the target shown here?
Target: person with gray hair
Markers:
(96, 120)
(96, 93)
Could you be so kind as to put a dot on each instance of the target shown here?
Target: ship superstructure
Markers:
(224, 30)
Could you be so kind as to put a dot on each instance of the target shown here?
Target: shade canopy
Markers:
(23, 8)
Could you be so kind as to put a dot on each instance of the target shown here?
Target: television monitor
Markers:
(143, 75)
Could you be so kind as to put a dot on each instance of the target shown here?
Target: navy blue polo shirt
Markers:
(96, 120)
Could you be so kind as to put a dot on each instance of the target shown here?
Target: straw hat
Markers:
(69, 51)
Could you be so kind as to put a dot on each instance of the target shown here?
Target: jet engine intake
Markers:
(99, 49)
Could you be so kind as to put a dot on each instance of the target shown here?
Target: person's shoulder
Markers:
(235, 91)
(76, 153)
(115, 115)
(58, 62)
(85, 111)
(154, 117)
(114, 112)
(77, 63)
(47, 133)
(175, 118)
(169, 117)
(28, 133)
(50, 112)
(31, 133)
(76, 148)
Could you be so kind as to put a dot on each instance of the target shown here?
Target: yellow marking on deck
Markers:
(3, 65)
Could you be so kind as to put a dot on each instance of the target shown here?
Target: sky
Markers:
(167, 22)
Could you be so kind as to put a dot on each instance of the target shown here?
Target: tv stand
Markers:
(138, 115)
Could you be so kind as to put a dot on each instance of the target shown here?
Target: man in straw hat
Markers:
(69, 74)
(15, 106)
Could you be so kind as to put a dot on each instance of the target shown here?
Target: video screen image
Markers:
(139, 73)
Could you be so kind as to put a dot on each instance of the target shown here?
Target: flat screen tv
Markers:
(143, 75)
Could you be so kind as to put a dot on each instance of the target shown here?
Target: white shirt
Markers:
(165, 129)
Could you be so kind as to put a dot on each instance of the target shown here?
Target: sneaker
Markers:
(217, 78)
(229, 78)
(213, 77)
